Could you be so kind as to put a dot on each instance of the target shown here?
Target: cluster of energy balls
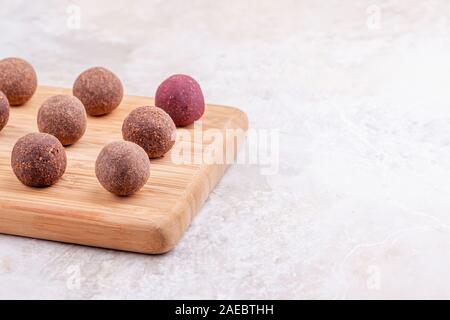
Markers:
(122, 167)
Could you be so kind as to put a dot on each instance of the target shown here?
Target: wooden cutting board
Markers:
(78, 210)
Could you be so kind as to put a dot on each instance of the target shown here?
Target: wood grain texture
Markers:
(78, 210)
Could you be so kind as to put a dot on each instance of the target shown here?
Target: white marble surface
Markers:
(360, 206)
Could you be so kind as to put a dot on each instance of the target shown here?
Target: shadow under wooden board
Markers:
(78, 210)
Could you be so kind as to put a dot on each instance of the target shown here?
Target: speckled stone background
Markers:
(360, 94)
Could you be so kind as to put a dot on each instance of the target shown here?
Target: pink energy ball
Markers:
(182, 98)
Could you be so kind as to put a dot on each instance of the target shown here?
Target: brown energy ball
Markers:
(182, 98)
(38, 160)
(18, 80)
(64, 117)
(4, 110)
(99, 90)
(122, 168)
(151, 128)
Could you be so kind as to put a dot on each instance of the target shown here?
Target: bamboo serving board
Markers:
(78, 210)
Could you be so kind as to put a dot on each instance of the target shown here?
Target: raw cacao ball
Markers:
(4, 110)
(18, 80)
(99, 90)
(64, 117)
(38, 160)
(151, 128)
(122, 168)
